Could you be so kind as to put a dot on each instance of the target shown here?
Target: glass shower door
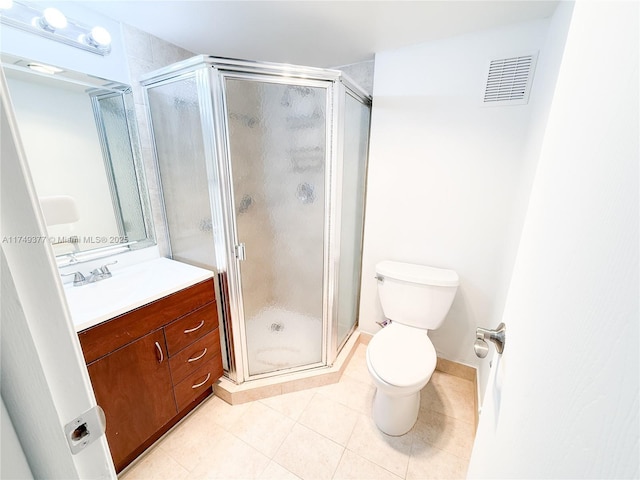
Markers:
(277, 149)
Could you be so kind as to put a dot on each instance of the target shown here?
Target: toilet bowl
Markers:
(401, 357)
(401, 360)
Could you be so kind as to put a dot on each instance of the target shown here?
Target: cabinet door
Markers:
(133, 386)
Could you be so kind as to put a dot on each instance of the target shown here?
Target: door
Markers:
(278, 157)
(133, 386)
(44, 383)
(562, 401)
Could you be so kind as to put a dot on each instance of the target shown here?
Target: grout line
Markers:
(335, 470)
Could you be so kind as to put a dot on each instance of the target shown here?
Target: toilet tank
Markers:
(415, 295)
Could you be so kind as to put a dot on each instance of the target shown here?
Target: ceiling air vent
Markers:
(509, 80)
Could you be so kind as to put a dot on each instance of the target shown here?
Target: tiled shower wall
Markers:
(146, 53)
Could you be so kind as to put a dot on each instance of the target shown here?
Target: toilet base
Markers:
(395, 415)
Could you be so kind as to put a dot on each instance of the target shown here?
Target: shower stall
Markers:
(262, 168)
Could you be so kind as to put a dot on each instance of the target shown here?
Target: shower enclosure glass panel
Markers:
(356, 141)
(277, 148)
(262, 169)
(174, 108)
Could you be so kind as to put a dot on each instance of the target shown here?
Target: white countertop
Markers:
(129, 288)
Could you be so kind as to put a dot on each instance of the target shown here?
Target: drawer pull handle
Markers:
(191, 330)
(195, 359)
(202, 383)
(160, 350)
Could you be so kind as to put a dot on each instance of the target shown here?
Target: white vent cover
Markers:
(509, 80)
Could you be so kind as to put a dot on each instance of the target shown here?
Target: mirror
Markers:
(80, 138)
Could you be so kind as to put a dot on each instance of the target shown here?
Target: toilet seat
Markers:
(402, 357)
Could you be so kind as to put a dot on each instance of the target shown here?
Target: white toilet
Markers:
(400, 357)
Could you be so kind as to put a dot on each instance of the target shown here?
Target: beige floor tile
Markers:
(354, 467)
(221, 413)
(262, 439)
(446, 433)
(329, 418)
(290, 404)
(263, 428)
(357, 367)
(276, 472)
(391, 453)
(157, 464)
(308, 454)
(229, 459)
(191, 440)
(449, 395)
(429, 462)
(451, 382)
(350, 392)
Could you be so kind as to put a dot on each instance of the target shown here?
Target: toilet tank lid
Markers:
(422, 274)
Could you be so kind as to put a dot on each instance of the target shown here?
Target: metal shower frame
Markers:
(210, 74)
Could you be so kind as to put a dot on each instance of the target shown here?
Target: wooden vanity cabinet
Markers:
(151, 366)
(135, 391)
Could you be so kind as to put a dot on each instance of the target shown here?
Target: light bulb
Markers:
(53, 19)
(100, 37)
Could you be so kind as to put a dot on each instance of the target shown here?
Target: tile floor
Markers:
(322, 433)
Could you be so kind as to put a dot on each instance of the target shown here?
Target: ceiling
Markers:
(313, 33)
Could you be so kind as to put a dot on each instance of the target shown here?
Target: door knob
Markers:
(497, 336)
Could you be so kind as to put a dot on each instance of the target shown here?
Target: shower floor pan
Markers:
(278, 339)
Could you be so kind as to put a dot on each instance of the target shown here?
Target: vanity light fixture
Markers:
(51, 23)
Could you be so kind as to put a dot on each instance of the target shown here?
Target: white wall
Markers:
(549, 62)
(445, 174)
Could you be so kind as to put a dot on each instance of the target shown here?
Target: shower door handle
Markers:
(240, 253)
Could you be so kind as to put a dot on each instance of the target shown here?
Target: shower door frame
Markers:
(278, 74)
(345, 88)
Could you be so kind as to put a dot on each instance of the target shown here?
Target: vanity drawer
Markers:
(110, 335)
(188, 329)
(195, 384)
(194, 356)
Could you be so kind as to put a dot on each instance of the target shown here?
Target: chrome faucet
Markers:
(101, 273)
(96, 275)
(78, 278)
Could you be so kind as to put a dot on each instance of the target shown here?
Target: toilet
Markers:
(401, 357)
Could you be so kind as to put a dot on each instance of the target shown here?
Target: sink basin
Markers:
(128, 289)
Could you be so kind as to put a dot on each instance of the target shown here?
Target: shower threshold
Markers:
(289, 382)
